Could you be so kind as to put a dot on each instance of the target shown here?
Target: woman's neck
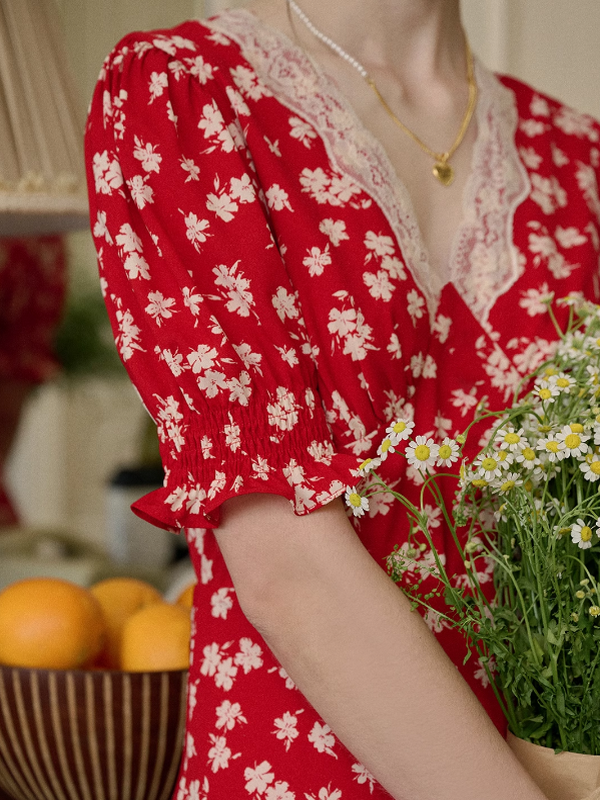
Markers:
(416, 40)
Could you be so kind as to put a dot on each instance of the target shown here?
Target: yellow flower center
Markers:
(512, 438)
(545, 394)
(399, 427)
(445, 451)
(549, 371)
(507, 486)
(528, 486)
(595, 467)
(576, 427)
(355, 499)
(479, 483)
(572, 441)
(594, 611)
(489, 464)
(528, 454)
(562, 531)
(586, 533)
(366, 463)
(502, 455)
(563, 382)
(580, 595)
(552, 447)
(422, 452)
(385, 445)
(544, 428)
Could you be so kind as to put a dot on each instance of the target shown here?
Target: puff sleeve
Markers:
(197, 291)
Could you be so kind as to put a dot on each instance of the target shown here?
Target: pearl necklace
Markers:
(441, 169)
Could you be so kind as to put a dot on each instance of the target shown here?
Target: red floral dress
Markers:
(271, 298)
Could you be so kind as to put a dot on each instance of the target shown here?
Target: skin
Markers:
(415, 52)
(341, 629)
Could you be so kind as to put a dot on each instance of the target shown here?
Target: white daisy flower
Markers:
(400, 430)
(508, 482)
(527, 457)
(581, 534)
(385, 448)
(546, 391)
(592, 343)
(573, 299)
(562, 381)
(505, 458)
(509, 439)
(561, 530)
(448, 453)
(359, 505)
(500, 514)
(545, 471)
(594, 379)
(368, 465)
(591, 468)
(488, 466)
(551, 447)
(422, 453)
(574, 440)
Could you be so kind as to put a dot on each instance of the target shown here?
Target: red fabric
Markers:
(32, 290)
(274, 326)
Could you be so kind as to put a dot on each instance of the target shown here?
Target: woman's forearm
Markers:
(346, 635)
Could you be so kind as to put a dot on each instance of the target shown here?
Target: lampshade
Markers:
(42, 176)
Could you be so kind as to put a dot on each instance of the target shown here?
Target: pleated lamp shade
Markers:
(42, 176)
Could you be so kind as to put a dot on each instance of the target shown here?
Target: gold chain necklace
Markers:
(442, 168)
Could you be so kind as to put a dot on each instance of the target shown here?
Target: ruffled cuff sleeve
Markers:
(205, 316)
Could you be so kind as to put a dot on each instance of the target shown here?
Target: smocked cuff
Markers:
(237, 458)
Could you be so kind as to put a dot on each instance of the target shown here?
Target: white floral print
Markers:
(276, 321)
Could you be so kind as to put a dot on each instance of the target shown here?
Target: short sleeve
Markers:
(205, 317)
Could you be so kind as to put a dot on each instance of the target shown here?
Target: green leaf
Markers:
(551, 637)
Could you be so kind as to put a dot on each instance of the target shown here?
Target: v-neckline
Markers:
(483, 262)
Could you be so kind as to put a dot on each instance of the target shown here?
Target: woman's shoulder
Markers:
(542, 114)
(198, 48)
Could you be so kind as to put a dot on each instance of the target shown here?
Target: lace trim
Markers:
(484, 262)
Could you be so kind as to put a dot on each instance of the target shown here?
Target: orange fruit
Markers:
(49, 623)
(156, 638)
(186, 598)
(120, 598)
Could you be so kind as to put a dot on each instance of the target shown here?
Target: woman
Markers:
(286, 277)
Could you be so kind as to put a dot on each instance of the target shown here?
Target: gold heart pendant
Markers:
(443, 172)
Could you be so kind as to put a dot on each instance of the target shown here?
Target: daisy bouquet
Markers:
(525, 519)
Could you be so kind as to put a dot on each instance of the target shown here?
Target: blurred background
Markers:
(83, 427)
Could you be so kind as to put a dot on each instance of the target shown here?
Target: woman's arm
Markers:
(346, 635)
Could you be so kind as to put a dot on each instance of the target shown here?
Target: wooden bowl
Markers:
(90, 735)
